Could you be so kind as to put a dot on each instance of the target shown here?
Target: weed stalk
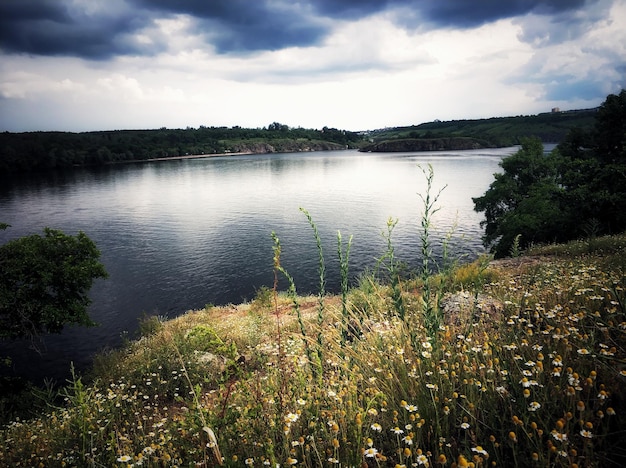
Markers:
(322, 290)
(429, 208)
(343, 269)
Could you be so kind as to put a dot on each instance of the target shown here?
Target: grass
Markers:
(531, 378)
(519, 362)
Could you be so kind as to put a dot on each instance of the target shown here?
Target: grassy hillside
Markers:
(519, 362)
(499, 131)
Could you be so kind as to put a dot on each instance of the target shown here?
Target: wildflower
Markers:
(587, 434)
(580, 406)
(372, 411)
(479, 449)
(446, 410)
(441, 459)
(371, 452)
(397, 431)
(408, 439)
(513, 436)
(376, 427)
(124, 459)
(583, 351)
(610, 411)
(422, 460)
(559, 436)
(465, 425)
(291, 418)
(291, 461)
(301, 401)
(534, 406)
(333, 461)
(249, 461)
(410, 408)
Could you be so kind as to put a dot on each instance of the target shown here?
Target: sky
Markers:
(83, 65)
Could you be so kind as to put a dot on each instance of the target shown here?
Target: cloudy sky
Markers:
(79, 65)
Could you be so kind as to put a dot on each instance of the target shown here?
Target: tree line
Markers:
(496, 131)
(36, 151)
(577, 190)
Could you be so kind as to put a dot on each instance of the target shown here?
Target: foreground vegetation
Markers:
(519, 362)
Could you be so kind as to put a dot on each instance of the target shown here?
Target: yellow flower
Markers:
(513, 436)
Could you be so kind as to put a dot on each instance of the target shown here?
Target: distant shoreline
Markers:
(187, 156)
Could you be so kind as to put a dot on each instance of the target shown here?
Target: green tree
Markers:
(556, 197)
(524, 200)
(611, 128)
(44, 281)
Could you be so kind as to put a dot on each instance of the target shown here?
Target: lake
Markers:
(177, 235)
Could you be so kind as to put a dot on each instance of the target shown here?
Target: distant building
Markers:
(556, 109)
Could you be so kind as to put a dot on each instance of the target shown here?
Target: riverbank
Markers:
(516, 363)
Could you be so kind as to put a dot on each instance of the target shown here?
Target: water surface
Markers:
(176, 235)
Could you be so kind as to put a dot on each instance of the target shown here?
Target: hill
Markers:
(40, 151)
(495, 132)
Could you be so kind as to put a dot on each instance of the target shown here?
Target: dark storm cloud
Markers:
(53, 27)
(244, 25)
(468, 14)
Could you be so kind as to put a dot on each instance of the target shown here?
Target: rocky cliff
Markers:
(285, 146)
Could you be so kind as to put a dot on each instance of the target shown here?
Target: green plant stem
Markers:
(343, 267)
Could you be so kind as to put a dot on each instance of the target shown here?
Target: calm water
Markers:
(176, 235)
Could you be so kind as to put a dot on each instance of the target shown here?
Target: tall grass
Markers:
(322, 286)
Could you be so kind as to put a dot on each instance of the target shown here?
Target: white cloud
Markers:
(366, 74)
